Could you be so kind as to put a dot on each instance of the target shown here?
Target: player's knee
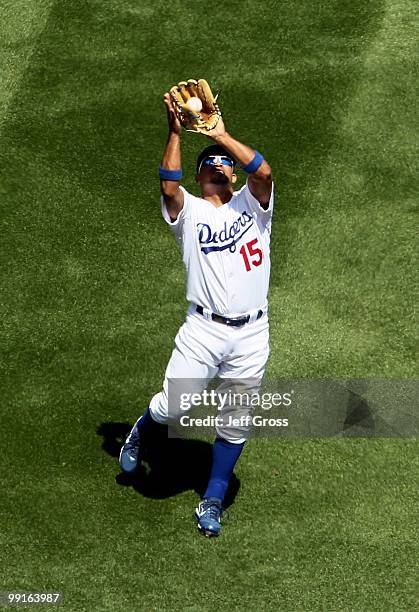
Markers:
(162, 412)
(158, 407)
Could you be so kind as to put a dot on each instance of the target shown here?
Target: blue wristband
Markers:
(170, 175)
(254, 164)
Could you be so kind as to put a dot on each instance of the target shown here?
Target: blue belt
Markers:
(232, 322)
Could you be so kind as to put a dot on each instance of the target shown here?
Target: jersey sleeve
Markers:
(177, 225)
(255, 205)
(262, 216)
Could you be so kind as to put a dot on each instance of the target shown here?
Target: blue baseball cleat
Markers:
(208, 514)
(130, 451)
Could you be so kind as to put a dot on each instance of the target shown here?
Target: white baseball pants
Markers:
(204, 349)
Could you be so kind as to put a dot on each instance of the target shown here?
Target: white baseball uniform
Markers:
(227, 258)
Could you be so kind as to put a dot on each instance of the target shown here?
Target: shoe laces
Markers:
(213, 508)
(134, 440)
(132, 450)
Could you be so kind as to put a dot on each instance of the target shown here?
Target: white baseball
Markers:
(194, 104)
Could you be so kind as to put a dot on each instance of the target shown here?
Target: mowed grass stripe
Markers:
(22, 21)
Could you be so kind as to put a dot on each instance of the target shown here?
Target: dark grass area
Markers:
(92, 296)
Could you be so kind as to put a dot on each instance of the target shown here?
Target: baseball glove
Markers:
(195, 119)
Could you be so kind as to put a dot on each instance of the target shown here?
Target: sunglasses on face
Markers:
(213, 160)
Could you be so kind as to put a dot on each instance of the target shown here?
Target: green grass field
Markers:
(93, 294)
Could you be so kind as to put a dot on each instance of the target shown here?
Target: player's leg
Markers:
(242, 373)
(209, 510)
(192, 364)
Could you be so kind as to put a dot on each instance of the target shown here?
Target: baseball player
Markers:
(224, 236)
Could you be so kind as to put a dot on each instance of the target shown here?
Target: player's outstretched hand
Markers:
(216, 132)
(173, 121)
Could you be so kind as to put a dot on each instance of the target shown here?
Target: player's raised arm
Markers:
(252, 162)
(170, 168)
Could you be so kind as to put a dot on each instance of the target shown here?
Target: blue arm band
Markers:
(170, 175)
(254, 164)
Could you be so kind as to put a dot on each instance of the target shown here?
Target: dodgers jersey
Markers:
(226, 251)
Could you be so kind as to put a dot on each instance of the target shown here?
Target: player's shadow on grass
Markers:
(172, 466)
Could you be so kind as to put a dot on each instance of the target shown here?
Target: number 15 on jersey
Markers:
(252, 254)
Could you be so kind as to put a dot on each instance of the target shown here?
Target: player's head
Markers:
(215, 165)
